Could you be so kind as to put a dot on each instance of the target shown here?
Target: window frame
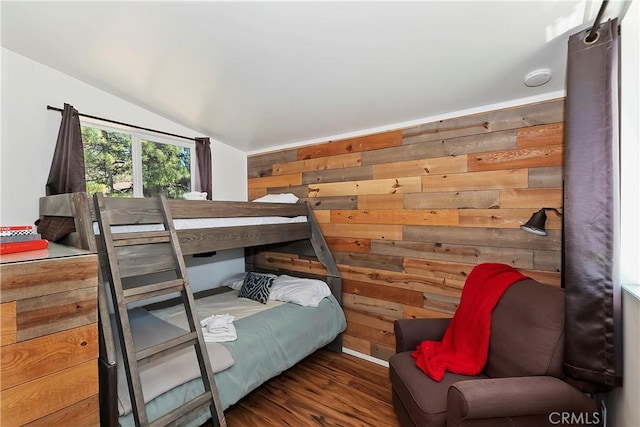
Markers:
(137, 136)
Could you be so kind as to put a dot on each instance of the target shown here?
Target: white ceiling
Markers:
(257, 75)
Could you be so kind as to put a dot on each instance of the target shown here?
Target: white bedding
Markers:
(185, 224)
(161, 375)
(223, 303)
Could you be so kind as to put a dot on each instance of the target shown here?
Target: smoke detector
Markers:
(537, 77)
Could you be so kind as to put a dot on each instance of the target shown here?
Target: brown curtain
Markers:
(203, 160)
(591, 211)
(66, 174)
(67, 167)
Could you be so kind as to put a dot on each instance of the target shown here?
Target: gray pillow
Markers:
(257, 286)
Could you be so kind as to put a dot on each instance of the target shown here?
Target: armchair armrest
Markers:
(411, 332)
(514, 397)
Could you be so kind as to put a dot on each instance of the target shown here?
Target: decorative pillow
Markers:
(257, 286)
(301, 291)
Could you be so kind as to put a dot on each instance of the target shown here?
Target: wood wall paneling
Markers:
(254, 193)
(476, 254)
(409, 213)
(338, 202)
(447, 217)
(438, 165)
(497, 237)
(360, 259)
(380, 201)
(402, 280)
(371, 327)
(387, 293)
(488, 122)
(319, 164)
(503, 218)
(489, 180)
(358, 144)
(348, 244)
(547, 260)
(374, 186)
(541, 136)
(545, 177)
(259, 166)
(365, 231)
(481, 199)
(360, 173)
(549, 155)
(421, 313)
(299, 190)
(275, 181)
(443, 148)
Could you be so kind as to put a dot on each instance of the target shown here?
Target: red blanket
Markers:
(465, 345)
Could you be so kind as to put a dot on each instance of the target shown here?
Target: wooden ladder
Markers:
(150, 256)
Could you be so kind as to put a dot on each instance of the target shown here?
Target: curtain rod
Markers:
(593, 32)
(49, 107)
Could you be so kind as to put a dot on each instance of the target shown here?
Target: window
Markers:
(125, 163)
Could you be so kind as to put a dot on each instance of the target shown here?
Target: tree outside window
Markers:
(121, 164)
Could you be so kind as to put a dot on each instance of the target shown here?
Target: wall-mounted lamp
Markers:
(535, 225)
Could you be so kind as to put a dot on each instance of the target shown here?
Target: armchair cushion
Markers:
(426, 400)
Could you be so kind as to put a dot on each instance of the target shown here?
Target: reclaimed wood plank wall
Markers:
(408, 213)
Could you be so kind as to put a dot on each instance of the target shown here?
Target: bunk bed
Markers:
(204, 227)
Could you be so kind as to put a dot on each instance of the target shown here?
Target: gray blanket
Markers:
(162, 375)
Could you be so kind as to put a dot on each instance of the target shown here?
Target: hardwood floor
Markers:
(326, 389)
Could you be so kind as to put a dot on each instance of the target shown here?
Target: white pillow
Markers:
(305, 292)
(278, 198)
(235, 281)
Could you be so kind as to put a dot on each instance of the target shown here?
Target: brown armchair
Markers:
(521, 384)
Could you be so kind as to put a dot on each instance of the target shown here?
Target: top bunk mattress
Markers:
(195, 223)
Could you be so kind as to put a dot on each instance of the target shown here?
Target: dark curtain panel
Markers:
(591, 211)
(203, 159)
(66, 174)
(67, 167)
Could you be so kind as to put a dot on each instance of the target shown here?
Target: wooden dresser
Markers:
(49, 338)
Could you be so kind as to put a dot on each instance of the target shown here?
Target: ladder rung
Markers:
(167, 347)
(149, 291)
(140, 238)
(204, 399)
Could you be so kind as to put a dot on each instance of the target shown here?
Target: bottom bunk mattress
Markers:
(271, 338)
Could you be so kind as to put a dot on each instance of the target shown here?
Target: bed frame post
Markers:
(334, 278)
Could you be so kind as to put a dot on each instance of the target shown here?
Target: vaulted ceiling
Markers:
(258, 75)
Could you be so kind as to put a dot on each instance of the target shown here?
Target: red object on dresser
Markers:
(465, 344)
(27, 245)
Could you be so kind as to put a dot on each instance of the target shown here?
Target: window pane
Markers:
(108, 164)
(166, 169)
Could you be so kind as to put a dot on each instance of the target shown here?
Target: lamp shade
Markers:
(535, 225)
